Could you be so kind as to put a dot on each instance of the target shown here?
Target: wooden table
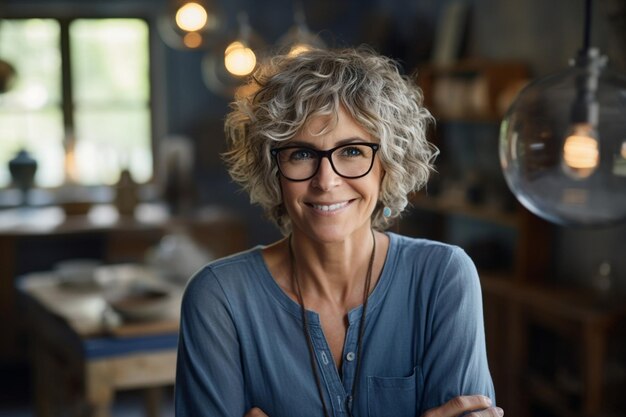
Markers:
(79, 362)
(36, 239)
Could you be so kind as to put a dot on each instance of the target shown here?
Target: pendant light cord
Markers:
(587, 28)
(307, 334)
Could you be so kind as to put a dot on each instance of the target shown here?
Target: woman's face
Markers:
(327, 207)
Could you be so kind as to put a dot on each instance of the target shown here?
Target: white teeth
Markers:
(331, 207)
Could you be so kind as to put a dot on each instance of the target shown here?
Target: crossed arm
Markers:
(476, 405)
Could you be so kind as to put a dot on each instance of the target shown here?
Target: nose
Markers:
(326, 177)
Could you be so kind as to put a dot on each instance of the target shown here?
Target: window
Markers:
(81, 99)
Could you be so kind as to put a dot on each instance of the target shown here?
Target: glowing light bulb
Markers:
(191, 17)
(581, 155)
(239, 60)
(298, 49)
(234, 45)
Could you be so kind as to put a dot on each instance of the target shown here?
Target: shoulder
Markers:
(428, 253)
(432, 265)
(224, 275)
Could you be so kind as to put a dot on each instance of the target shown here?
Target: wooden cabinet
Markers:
(550, 347)
(554, 351)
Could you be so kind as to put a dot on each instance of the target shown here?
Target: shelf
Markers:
(456, 206)
(479, 90)
(572, 304)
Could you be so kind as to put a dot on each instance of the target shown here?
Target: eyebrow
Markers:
(341, 142)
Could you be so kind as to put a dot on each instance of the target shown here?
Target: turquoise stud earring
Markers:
(386, 212)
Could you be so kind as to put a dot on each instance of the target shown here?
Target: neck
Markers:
(333, 271)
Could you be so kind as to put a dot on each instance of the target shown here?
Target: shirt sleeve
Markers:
(209, 379)
(455, 357)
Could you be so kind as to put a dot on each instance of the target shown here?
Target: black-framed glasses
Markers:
(300, 163)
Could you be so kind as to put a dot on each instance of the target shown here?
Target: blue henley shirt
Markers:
(242, 345)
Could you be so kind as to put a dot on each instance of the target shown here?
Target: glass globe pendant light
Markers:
(563, 142)
(239, 58)
(226, 67)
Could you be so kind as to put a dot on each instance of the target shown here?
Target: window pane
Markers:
(110, 75)
(110, 60)
(30, 112)
(111, 139)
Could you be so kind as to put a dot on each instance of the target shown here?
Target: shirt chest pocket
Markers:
(393, 396)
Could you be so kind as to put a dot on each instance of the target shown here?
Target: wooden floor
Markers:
(15, 398)
(128, 404)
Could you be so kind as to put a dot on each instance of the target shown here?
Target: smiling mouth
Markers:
(327, 208)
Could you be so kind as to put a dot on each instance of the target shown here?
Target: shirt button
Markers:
(350, 356)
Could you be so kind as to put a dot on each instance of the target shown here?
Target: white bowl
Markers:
(143, 303)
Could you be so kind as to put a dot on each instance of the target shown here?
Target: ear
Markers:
(382, 179)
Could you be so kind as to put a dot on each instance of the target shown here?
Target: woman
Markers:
(338, 318)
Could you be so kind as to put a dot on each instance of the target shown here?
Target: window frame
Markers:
(65, 12)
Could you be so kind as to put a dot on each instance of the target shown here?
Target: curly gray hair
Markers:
(287, 92)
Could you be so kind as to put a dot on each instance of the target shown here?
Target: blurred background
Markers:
(112, 191)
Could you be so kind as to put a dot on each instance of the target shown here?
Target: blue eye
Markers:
(301, 154)
(351, 151)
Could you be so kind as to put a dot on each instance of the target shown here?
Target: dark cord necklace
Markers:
(307, 334)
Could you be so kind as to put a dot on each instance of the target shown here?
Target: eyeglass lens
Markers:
(353, 160)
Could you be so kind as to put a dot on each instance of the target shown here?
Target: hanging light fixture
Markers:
(190, 24)
(226, 67)
(239, 57)
(563, 142)
(299, 38)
